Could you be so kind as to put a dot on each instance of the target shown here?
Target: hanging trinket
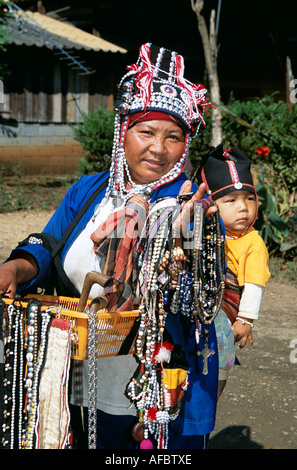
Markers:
(25, 335)
(172, 283)
(209, 275)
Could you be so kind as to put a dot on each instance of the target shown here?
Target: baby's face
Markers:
(238, 210)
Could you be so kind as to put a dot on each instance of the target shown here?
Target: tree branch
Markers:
(210, 56)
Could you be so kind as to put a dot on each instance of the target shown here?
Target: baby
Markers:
(229, 184)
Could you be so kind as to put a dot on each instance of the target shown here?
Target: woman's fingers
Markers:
(8, 281)
(186, 214)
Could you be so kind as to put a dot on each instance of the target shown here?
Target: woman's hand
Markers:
(15, 272)
(186, 214)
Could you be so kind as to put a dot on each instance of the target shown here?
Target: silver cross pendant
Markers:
(205, 353)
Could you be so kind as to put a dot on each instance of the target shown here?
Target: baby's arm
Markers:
(249, 309)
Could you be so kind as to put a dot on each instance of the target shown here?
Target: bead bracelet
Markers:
(245, 321)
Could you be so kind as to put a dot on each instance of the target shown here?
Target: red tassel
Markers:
(61, 323)
(152, 413)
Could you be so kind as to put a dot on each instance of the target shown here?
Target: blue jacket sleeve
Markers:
(56, 227)
(74, 199)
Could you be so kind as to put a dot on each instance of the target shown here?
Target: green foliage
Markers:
(276, 221)
(201, 144)
(272, 119)
(95, 134)
(4, 36)
(249, 124)
(13, 200)
(21, 193)
(253, 123)
(266, 117)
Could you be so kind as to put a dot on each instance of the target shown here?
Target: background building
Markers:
(66, 57)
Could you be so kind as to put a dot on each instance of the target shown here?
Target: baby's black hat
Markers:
(225, 171)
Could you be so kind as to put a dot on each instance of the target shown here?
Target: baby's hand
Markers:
(243, 331)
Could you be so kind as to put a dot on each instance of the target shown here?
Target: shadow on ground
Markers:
(233, 437)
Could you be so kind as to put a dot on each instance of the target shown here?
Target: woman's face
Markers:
(152, 148)
(238, 210)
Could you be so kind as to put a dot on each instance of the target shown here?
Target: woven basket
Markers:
(112, 328)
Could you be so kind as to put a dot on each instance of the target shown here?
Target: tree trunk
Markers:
(289, 82)
(210, 55)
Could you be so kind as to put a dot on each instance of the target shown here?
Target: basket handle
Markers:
(93, 278)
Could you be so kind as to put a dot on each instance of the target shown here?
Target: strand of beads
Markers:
(32, 312)
(14, 376)
(175, 266)
(45, 318)
(186, 293)
(2, 375)
(176, 271)
(141, 332)
(163, 418)
(92, 378)
(161, 311)
(24, 359)
(8, 378)
(208, 262)
(20, 377)
(150, 400)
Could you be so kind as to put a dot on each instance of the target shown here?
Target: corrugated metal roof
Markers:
(35, 29)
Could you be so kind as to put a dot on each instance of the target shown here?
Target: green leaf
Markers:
(287, 246)
(278, 223)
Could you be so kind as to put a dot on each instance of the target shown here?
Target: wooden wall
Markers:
(42, 94)
(42, 88)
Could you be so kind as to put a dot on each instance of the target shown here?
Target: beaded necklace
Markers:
(208, 257)
(173, 282)
(92, 377)
(3, 384)
(38, 323)
(209, 277)
(7, 378)
(13, 324)
(12, 379)
(25, 345)
(152, 322)
(52, 413)
(31, 357)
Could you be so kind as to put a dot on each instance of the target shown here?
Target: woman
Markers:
(158, 113)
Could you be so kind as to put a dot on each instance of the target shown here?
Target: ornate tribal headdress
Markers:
(155, 83)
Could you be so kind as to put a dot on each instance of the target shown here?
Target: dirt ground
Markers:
(258, 409)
